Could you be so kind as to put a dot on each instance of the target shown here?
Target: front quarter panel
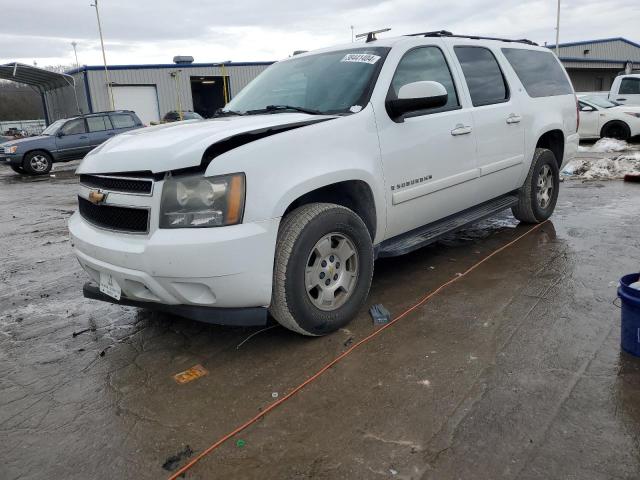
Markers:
(281, 168)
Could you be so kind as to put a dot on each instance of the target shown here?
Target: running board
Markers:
(423, 236)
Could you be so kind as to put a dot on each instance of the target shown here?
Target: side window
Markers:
(540, 72)
(486, 82)
(73, 127)
(122, 120)
(425, 64)
(630, 86)
(99, 124)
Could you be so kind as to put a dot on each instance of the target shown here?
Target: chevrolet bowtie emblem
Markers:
(97, 197)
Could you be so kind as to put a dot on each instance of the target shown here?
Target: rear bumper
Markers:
(240, 317)
(570, 149)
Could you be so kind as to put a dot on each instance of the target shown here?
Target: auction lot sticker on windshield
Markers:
(109, 286)
(360, 58)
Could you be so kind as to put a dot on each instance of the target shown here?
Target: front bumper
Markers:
(239, 317)
(11, 159)
(210, 268)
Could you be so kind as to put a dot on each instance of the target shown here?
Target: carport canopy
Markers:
(41, 79)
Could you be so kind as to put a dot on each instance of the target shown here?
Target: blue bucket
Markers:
(630, 340)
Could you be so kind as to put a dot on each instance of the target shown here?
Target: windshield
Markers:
(331, 82)
(601, 102)
(53, 128)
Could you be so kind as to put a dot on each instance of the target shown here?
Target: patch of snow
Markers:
(604, 168)
(608, 145)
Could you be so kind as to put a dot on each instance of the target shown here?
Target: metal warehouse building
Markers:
(593, 64)
(151, 90)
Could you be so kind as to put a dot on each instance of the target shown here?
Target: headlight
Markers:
(11, 149)
(633, 114)
(197, 201)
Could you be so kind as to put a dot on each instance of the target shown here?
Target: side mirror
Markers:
(59, 133)
(587, 108)
(417, 96)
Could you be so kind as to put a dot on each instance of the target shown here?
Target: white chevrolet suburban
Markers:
(325, 162)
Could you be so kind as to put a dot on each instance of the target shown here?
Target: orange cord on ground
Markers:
(344, 354)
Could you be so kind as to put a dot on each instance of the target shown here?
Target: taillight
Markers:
(577, 114)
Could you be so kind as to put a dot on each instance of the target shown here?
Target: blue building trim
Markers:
(87, 91)
(87, 68)
(594, 60)
(601, 40)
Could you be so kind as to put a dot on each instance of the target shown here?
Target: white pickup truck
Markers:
(325, 162)
(625, 89)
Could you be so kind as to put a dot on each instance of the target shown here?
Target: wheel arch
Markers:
(553, 140)
(44, 150)
(354, 194)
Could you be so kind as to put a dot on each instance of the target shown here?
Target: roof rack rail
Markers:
(445, 33)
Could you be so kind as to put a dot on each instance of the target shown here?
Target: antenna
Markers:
(371, 36)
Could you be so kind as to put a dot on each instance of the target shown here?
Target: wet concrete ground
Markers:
(512, 372)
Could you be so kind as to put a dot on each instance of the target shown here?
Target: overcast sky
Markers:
(153, 31)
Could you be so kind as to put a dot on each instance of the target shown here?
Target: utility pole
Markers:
(558, 32)
(75, 52)
(176, 77)
(104, 56)
(351, 33)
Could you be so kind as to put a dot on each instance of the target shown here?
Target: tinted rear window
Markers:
(539, 72)
(122, 120)
(630, 86)
(483, 75)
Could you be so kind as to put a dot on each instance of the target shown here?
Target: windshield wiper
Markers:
(281, 108)
(225, 113)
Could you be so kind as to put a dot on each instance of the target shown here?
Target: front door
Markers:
(589, 121)
(72, 140)
(428, 156)
(497, 115)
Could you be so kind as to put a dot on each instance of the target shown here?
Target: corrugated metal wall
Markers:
(239, 77)
(591, 80)
(61, 102)
(614, 50)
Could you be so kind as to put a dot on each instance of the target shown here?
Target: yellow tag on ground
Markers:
(191, 374)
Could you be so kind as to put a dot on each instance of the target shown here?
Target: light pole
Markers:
(104, 57)
(558, 32)
(75, 52)
(351, 33)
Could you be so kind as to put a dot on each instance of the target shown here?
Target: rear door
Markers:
(497, 117)
(72, 140)
(100, 129)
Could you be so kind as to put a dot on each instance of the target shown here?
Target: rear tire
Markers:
(323, 269)
(616, 129)
(37, 162)
(538, 196)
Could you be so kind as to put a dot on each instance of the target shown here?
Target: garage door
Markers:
(141, 99)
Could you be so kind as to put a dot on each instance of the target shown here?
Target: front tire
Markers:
(538, 196)
(18, 169)
(37, 163)
(323, 269)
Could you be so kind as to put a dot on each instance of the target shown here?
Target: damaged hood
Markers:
(180, 145)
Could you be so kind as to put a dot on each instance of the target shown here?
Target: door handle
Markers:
(513, 118)
(622, 100)
(110, 133)
(83, 137)
(461, 130)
